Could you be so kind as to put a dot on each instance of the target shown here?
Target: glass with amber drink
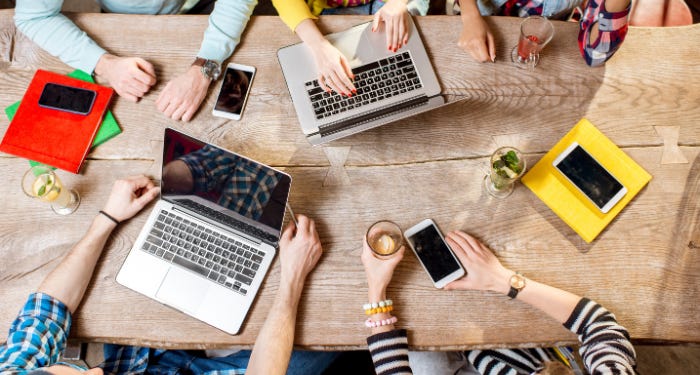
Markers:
(384, 238)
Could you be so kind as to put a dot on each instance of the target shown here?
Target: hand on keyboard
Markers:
(334, 71)
(395, 15)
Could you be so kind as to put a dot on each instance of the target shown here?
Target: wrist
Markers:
(376, 294)
(103, 64)
(501, 283)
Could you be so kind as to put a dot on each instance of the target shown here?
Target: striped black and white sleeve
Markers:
(389, 351)
(605, 345)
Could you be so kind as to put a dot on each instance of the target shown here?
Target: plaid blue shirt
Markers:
(38, 336)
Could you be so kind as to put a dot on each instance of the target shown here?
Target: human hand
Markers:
(334, 71)
(182, 96)
(130, 77)
(476, 38)
(129, 196)
(379, 271)
(484, 270)
(300, 250)
(395, 15)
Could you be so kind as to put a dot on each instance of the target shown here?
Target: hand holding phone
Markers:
(235, 88)
(485, 271)
(434, 254)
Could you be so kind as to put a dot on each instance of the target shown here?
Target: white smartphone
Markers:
(233, 95)
(590, 177)
(434, 254)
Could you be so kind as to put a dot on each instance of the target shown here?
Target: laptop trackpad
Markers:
(182, 290)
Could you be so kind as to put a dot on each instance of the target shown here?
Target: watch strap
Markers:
(512, 293)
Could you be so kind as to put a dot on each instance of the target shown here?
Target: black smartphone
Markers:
(588, 176)
(67, 98)
(434, 255)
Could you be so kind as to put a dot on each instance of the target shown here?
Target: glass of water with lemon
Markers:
(42, 183)
(384, 238)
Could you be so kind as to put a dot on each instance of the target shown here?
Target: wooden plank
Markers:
(428, 166)
(658, 267)
(497, 99)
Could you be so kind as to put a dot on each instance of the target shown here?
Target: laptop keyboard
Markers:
(227, 220)
(215, 256)
(374, 82)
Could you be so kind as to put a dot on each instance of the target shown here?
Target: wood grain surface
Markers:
(644, 266)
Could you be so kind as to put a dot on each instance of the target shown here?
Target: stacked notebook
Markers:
(568, 202)
(57, 138)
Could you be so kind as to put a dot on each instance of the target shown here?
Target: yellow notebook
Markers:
(568, 202)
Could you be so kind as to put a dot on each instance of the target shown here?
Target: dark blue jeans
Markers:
(183, 362)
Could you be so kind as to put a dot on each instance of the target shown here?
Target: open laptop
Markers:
(212, 235)
(390, 85)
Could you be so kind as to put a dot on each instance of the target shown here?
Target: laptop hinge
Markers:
(218, 225)
(338, 126)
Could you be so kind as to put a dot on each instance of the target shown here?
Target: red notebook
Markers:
(53, 137)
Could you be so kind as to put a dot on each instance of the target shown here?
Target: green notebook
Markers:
(108, 129)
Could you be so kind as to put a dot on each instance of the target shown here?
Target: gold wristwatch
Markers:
(517, 283)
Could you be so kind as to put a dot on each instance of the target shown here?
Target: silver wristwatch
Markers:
(209, 68)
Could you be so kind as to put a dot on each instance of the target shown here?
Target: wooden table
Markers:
(644, 266)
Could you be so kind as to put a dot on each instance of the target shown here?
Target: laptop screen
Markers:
(216, 182)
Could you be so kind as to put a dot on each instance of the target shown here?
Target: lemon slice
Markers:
(43, 188)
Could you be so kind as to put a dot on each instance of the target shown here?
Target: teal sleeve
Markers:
(226, 24)
(42, 22)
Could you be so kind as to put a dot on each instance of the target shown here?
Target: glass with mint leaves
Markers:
(507, 166)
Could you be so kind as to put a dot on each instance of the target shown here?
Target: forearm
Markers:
(226, 24)
(274, 344)
(43, 23)
(69, 280)
(468, 9)
(557, 303)
(309, 33)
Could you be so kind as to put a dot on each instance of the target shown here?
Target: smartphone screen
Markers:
(589, 176)
(67, 98)
(434, 253)
(234, 91)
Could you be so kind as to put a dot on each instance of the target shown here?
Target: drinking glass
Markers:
(42, 183)
(535, 33)
(384, 238)
(506, 166)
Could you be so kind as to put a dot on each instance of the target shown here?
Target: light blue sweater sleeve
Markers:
(226, 24)
(42, 22)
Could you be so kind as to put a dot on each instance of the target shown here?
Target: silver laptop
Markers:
(212, 235)
(390, 85)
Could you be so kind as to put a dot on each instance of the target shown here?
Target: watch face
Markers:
(212, 69)
(517, 281)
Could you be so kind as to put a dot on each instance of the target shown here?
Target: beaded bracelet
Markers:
(378, 307)
(369, 323)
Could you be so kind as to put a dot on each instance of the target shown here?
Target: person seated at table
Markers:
(132, 77)
(334, 72)
(38, 335)
(605, 345)
(602, 28)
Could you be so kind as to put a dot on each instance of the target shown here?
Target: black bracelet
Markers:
(108, 216)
